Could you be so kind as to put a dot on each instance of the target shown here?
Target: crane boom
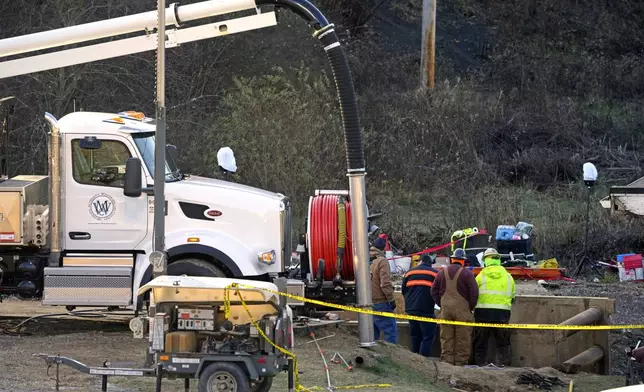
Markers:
(127, 46)
(146, 21)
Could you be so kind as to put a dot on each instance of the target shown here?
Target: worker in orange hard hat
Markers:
(456, 292)
(416, 287)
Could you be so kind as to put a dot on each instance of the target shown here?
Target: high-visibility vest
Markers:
(495, 293)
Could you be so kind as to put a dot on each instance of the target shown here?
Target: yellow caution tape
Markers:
(351, 387)
(451, 322)
(298, 386)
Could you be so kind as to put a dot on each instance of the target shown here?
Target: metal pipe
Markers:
(584, 359)
(361, 256)
(291, 375)
(159, 149)
(54, 195)
(592, 315)
(584, 258)
(145, 21)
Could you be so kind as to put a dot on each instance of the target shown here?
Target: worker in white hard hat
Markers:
(496, 295)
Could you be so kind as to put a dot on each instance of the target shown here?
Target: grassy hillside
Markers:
(526, 92)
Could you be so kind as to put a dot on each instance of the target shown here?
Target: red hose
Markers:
(324, 237)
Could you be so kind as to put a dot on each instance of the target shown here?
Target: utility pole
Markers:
(158, 258)
(428, 50)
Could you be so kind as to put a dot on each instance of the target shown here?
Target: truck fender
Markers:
(235, 256)
(247, 361)
(196, 249)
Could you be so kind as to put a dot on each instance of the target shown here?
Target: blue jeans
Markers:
(422, 335)
(385, 324)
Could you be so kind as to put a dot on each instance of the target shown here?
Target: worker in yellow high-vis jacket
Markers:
(494, 305)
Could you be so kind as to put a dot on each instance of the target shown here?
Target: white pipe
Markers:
(118, 26)
(319, 192)
(127, 46)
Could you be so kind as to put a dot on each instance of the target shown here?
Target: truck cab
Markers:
(213, 228)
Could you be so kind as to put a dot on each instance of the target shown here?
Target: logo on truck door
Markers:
(102, 207)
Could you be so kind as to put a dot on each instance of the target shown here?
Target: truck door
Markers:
(97, 215)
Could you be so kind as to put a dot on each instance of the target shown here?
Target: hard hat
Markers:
(426, 259)
(380, 243)
(459, 254)
(490, 252)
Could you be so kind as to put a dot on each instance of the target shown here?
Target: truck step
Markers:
(88, 286)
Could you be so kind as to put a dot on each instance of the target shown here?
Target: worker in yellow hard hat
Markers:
(496, 295)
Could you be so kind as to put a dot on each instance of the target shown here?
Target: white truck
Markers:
(214, 227)
(85, 234)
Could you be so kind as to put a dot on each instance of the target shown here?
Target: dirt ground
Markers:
(94, 340)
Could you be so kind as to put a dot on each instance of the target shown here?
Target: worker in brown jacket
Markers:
(456, 292)
(382, 292)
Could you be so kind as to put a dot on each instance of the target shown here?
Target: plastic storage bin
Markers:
(633, 261)
(505, 232)
(514, 246)
(620, 258)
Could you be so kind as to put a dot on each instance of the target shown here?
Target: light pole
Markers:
(590, 177)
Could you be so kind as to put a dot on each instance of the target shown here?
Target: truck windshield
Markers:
(145, 143)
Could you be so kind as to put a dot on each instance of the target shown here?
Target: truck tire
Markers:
(194, 267)
(223, 377)
(263, 385)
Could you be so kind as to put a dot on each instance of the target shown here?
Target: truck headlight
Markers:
(267, 258)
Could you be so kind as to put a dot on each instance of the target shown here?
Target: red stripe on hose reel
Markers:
(333, 213)
(315, 236)
(324, 237)
(331, 234)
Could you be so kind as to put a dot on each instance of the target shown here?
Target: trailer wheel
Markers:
(194, 267)
(223, 377)
(263, 385)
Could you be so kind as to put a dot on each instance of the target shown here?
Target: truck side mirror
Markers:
(132, 181)
(173, 151)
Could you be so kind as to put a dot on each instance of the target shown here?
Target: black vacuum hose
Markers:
(325, 32)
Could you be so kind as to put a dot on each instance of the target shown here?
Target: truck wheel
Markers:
(262, 385)
(194, 267)
(223, 377)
